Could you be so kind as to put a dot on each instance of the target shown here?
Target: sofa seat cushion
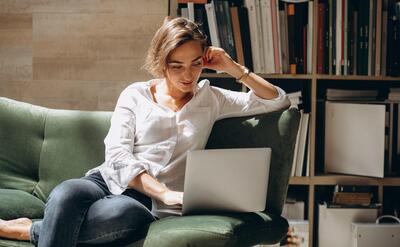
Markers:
(239, 229)
(11, 243)
(17, 203)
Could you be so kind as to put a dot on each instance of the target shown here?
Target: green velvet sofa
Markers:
(40, 147)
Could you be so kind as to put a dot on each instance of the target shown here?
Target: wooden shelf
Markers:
(357, 78)
(300, 181)
(312, 76)
(268, 76)
(343, 180)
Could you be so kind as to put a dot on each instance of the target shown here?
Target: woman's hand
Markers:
(170, 197)
(218, 59)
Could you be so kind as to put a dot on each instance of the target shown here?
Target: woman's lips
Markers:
(186, 82)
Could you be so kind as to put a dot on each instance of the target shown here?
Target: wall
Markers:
(76, 54)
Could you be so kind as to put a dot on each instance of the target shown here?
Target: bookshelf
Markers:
(313, 86)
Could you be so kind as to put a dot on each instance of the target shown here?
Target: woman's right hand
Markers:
(170, 198)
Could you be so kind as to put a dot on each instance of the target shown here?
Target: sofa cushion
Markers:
(16, 203)
(21, 138)
(11, 243)
(73, 144)
(240, 229)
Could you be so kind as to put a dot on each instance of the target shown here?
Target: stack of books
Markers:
(267, 36)
(358, 37)
(351, 95)
(394, 94)
(352, 196)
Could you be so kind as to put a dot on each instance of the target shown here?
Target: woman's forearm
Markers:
(149, 186)
(256, 83)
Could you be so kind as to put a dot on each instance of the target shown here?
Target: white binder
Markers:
(355, 139)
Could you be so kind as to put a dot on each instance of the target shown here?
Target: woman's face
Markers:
(184, 66)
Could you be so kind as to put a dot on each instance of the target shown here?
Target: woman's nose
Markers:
(188, 74)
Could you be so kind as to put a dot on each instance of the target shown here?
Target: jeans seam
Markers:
(33, 239)
(75, 235)
(108, 234)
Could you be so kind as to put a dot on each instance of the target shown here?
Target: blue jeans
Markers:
(84, 212)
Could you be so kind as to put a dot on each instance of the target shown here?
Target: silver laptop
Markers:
(221, 180)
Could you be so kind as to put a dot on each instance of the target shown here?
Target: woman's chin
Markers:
(186, 87)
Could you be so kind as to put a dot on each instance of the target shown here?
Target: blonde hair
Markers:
(172, 33)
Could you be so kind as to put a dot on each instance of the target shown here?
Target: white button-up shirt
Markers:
(147, 136)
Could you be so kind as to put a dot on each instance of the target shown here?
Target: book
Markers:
(310, 35)
(353, 95)
(291, 37)
(296, 147)
(245, 33)
(267, 34)
(212, 24)
(321, 38)
(384, 45)
(302, 144)
(276, 36)
(352, 198)
(378, 42)
(284, 43)
(237, 34)
(338, 37)
(254, 35)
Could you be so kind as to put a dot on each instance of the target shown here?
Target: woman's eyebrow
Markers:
(175, 61)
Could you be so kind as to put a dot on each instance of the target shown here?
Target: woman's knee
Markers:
(113, 218)
(74, 190)
(120, 208)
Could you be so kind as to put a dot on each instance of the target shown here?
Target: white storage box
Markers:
(375, 234)
(334, 224)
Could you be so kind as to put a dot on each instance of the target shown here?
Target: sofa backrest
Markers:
(41, 147)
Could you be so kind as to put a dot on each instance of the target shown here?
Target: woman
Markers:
(154, 125)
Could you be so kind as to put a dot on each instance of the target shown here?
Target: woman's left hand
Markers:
(218, 59)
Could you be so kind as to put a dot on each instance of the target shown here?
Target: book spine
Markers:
(378, 52)
(345, 50)
(284, 38)
(255, 51)
(237, 34)
(310, 34)
(245, 32)
(331, 37)
(212, 24)
(291, 37)
(229, 30)
(269, 60)
(275, 36)
(338, 36)
(321, 38)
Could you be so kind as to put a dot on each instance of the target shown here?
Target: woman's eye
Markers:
(197, 64)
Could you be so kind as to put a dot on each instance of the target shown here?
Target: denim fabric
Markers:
(83, 211)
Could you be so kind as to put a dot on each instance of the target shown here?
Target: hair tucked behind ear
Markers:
(172, 33)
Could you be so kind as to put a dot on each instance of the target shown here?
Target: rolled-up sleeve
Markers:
(120, 164)
(235, 104)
